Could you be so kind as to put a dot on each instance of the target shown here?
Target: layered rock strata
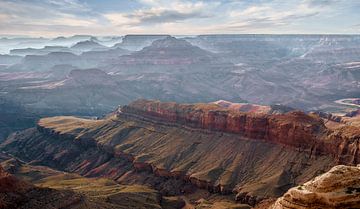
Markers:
(338, 188)
(295, 129)
(251, 154)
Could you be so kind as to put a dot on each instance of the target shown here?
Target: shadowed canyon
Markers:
(193, 122)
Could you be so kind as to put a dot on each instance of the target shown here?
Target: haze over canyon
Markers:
(208, 121)
(256, 106)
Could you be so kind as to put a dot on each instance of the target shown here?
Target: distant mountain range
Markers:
(264, 69)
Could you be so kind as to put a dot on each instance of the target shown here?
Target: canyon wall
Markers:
(296, 129)
(251, 154)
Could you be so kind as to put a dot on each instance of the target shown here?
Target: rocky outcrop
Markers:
(223, 150)
(15, 193)
(8, 183)
(49, 188)
(169, 51)
(337, 188)
(296, 129)
(171, 158)
(137, 42)
(345, 143)
(88, 45)
(328, 116)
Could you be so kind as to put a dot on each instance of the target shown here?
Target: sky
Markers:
(50, 18)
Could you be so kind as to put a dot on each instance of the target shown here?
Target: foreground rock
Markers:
(338, 188)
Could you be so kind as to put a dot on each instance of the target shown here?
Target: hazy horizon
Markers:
(181, 35)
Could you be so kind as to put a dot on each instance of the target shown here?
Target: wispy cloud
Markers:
(67, 17)
(267, 16)
(355, 28)
(158, 12)
(44, 15)
(154, 16)
(321, 3)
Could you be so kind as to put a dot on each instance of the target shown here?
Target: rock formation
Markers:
(328, 116)
(88, 45)
(50, 188)
(8, 183)
(295, 129)
(15, 193)
(337, 188)
(137, 42)
(169, 51)
(251, 154)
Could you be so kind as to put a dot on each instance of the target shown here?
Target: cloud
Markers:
(70, 5)
(159, 11)
(269, 16)
(321, 3)
(68, 17)
(154, 16)
(4, 17)
(120, 19)
(42, 16)
(251, 11)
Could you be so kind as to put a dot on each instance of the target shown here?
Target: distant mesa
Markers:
(60, 38)
(75, 38)
(45, 62)
(9, 59)
(82, 46)
(138, 42)
(42, 51)
(88, 46)
(170, 41)
(169, 51)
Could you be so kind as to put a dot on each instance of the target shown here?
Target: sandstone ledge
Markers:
(338, 188)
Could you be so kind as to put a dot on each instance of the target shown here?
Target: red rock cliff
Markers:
(295, 129)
